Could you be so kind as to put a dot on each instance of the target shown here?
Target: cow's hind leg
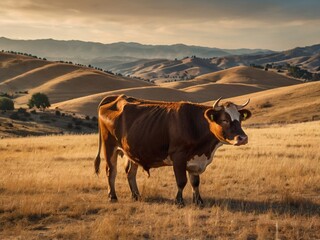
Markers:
(131, 170)
(195, 182)
(111, 169)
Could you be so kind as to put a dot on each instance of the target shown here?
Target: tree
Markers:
(6, 103)
(39, 100)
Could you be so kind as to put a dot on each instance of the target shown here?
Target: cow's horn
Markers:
(243, 105)
(216, 104)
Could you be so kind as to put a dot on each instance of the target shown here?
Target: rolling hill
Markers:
(311, 63)
(88, 105)
(163, 70)
(248, 75)
(289, 104)
(227, 83)
(60, 81)
(231, 82)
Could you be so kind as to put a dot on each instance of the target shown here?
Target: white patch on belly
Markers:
(198, 164)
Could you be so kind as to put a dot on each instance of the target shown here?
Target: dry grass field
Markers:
(268, 189)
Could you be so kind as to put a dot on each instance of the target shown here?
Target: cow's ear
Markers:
(212, 115)
(244, 114)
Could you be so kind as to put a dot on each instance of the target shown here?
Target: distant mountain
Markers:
(89, 52)
(307, 57)
(162, 62)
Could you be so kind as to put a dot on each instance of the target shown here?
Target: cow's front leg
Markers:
(195, 182)
(180, 172)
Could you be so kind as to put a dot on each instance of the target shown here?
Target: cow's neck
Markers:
(206, 145)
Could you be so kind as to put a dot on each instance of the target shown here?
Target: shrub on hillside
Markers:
(39, 100)
(6, 103)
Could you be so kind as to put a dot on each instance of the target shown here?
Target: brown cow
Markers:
(154, 134)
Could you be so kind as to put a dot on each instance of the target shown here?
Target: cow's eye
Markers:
(225, 121)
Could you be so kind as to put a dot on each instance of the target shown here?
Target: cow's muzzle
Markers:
(241, 140)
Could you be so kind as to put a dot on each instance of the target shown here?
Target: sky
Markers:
(229, 24)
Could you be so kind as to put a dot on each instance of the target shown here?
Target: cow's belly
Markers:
(144, 164)
(196, 165)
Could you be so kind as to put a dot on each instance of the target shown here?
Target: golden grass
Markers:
(267, 189)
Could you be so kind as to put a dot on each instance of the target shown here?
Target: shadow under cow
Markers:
(303, 207)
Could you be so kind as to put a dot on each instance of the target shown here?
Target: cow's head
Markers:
(225, 122)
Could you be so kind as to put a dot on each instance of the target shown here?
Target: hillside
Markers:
(231, 82)
(227, 83)
(248, 75)
(163, 70)
(311, 63)
(88, 105)
(60, 81)
(23, 123)
(289, 104)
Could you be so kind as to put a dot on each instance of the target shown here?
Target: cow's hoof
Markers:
(198, 202)
(113, 199)
(179, 203)
(136, 197)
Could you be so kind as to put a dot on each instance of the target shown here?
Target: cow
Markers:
(153, 134)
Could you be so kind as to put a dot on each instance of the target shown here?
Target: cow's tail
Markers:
(98, 159)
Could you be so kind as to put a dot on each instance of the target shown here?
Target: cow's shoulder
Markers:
(191, 114)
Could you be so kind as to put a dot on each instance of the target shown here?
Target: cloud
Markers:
(179, 10)
(206, 22)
